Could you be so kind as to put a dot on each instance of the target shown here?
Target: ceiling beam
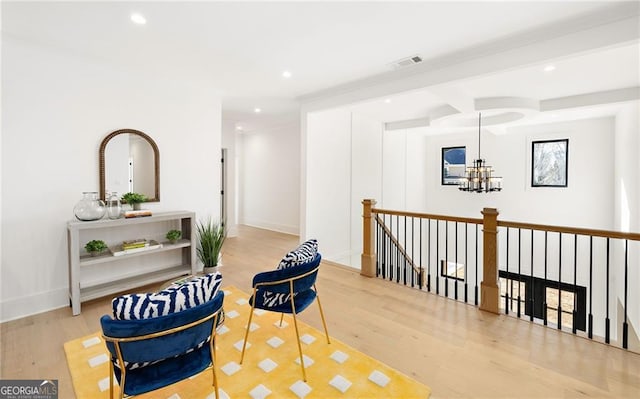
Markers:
(589, 99)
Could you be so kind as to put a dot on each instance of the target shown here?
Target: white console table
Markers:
(92, 277)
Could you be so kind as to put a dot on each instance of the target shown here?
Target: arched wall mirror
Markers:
(130, 162)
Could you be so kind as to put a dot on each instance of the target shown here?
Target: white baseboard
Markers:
(341, 265)
(281, 228)
(345, 258)
(17, 308)
(233, 231)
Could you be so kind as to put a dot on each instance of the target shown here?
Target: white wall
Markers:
(590, 180)
(394, 170)
(269, 178)
(405, 170)
(343, 163)
(56, 109)
(366, 175)
(328, 182)
(509, 154)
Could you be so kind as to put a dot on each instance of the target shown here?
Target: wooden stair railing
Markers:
(615, 259)
(489, 291)
(416, 269)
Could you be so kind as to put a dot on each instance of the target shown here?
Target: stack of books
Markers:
(133, 246)
(137, 214)
(137, 243)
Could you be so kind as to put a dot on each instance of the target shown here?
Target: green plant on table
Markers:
(134, 199)
(95, 246)
(173, 235)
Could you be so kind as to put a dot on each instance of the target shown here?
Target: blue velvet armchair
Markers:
(290, 291)
(152, 353)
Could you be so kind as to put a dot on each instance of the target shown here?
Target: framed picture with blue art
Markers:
(549, 163)
(453, 165)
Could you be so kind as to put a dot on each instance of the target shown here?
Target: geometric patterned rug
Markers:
(271, 366)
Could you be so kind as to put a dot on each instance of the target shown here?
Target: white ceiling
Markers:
(608, 69)
(244, 46)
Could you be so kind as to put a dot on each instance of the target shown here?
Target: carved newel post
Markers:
(489, 289)
(368, 257)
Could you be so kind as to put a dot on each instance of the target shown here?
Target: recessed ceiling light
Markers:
(238, 127)
(257, 110)
(387, 101)
(286, 74)
(549, 68)
(138, 19)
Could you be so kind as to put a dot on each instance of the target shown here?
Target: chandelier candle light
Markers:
(478, 178)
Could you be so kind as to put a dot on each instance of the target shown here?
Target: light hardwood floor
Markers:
(456, 349)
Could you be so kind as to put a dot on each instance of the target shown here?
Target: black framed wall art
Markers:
(549, 163)
(453, 165)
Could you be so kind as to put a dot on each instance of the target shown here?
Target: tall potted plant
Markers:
(211, 236)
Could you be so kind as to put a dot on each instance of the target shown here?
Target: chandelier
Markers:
(479, 177)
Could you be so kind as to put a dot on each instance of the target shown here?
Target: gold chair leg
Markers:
(295, 323)
(212, 340)
(110, 379)
(324, 323)
(123, 374)
(123, 377)
(215, 381)
(246, 334)
(213, 354)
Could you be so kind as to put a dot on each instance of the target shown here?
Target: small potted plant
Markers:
(173, 236)
(95, 247)
(211, 236)
(134, 199)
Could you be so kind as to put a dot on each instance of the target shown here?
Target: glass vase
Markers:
(90, 207)
(114, 207)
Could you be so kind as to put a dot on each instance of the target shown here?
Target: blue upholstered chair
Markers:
(273, 291)
(160, 351)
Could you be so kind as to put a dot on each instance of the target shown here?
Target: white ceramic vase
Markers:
(213, 269)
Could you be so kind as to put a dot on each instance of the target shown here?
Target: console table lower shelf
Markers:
(96, 289)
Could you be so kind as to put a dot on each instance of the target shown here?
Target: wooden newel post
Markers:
(489, 289)
(368, 257)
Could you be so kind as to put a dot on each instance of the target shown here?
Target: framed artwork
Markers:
(549, 163)
(453, 165)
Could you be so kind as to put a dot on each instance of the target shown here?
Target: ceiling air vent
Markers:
(405, 62)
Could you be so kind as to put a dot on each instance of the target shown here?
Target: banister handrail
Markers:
(427, 216)
(571, 230)
(521, 225)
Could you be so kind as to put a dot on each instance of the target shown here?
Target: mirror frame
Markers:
(156, 154)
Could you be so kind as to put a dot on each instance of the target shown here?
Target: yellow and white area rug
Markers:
(271, 367)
